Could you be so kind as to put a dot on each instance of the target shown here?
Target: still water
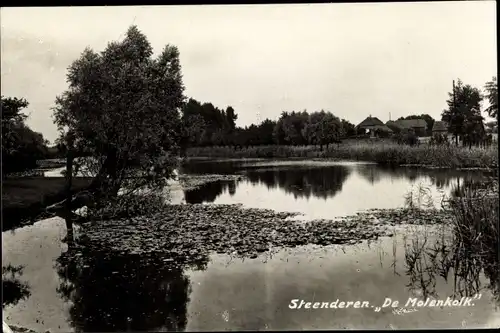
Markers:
(320, 189)
(224, 293)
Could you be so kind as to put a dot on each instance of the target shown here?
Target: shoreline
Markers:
(388, 153)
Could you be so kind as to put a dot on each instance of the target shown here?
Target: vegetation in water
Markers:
(462, 251)
(383, 152)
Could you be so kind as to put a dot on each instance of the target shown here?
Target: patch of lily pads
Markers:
(192, 231)
(191, 182)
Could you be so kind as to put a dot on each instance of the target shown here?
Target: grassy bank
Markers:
(24, 198)
(379, 152)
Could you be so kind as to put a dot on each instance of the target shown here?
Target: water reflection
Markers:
(303, 182)
(449, 259)
(314, 182)
(13, 290)
(98, 292)
(440, 178)
(210, 191)
(111, 292)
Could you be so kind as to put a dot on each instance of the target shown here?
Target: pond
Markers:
(220, 292)
(321, 189)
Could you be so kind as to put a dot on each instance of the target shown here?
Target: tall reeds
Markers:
(463, 251)
(380, 152)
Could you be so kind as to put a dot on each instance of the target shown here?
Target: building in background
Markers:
(374, 126)
(419, 126)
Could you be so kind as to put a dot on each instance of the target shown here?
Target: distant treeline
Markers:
(206, 125)
(21, 146)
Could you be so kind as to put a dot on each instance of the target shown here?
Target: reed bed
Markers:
(464, 251)
(380, 152)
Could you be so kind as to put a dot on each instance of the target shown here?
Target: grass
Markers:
(383, 152)
(24, 198)
(463, 251)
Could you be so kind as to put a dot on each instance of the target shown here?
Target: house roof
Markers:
(393, 123)
(439, 126)
(370, 122)
(383, 128)
(412, 123)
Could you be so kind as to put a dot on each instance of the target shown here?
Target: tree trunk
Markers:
(68, 212)
(99, 188)
(456, 140)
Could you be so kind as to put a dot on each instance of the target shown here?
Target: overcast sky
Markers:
(351, 59)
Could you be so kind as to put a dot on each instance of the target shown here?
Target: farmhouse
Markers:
(372, 125)
(394, 126)
(439, 127)
(419, 126)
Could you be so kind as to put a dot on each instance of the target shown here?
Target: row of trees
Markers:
(21, 146)
(206, 125)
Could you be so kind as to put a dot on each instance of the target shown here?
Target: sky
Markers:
(354, 60)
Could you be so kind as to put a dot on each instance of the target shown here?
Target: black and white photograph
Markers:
(326, 166)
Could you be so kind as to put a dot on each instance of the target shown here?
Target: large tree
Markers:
(12, 118)
(292, 125)
(21, 146)
(311, 130)
(348, 128)
(323, 128)
(217, 128)
(278, 132)
(330, 129)
(464, 104)
(231, 117)
(123, 106)
(492, 96)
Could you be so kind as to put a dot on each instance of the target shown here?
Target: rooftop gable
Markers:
(370, 122)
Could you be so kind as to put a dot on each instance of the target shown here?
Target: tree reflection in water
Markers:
(114, 292)
(208, 192)
(462, 252)
(303, 182)
(13, 290)
(438, 177)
